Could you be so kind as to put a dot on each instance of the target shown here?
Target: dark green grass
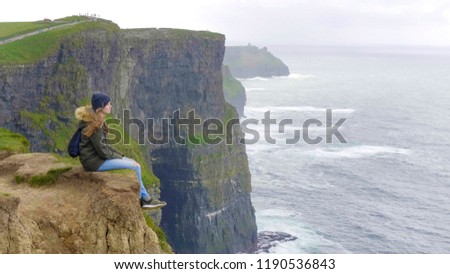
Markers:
(34, 48)
(12, 29)
(13, 142)
(44, 179)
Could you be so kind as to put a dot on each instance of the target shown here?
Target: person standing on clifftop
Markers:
(96, 154)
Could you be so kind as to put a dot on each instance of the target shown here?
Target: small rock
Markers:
(284, 234)
(268, 239)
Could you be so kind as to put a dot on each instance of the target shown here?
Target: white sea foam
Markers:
(253, 79)
(366, 177)
(254, 89)
(297, 109)
(297, 76)
(292, 222)
(355, 152)
(278, 212)
(290, 76)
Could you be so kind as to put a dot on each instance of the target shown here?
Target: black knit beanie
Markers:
(99, 100)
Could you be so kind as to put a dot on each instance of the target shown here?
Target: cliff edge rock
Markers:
(79, 212)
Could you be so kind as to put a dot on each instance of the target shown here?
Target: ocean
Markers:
(387, 189)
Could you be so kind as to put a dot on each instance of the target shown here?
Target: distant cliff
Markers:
(153, 73)
(250, 61)
(234, 91)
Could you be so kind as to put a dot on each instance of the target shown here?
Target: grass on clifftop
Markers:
(36, 47)
(43, 179)
(13, 142)
(183, 34)
(11, 29)
(72, 18)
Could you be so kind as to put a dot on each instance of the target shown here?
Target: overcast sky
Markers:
(267, 22)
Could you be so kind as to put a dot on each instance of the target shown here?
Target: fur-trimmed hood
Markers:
(85, 114)
(89, 120)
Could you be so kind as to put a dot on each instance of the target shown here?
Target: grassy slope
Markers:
(36, 47)
(11, 29)
(72, 18)
(13, 142)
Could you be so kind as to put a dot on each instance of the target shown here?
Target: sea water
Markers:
(387, 188)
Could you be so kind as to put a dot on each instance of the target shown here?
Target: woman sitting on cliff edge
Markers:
(95, 153)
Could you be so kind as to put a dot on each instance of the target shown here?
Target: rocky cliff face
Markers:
(153, 73)
(207, 187)
(234, 91)
(82, 212)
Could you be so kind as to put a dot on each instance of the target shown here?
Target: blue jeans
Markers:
(126, 163)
